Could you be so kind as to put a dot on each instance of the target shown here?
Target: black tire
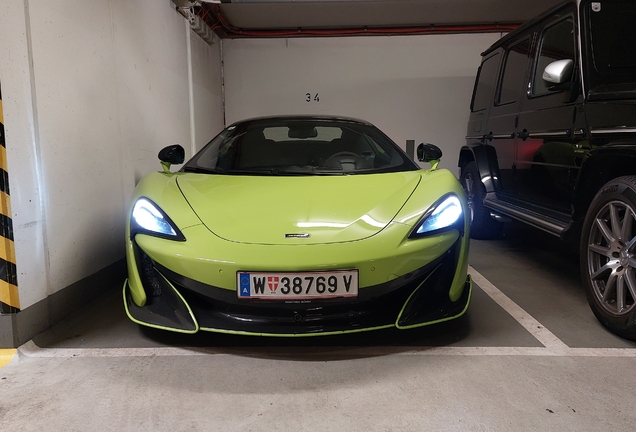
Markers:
(482, 225)
(608, 256)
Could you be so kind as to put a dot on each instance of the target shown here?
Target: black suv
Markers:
(551, 142)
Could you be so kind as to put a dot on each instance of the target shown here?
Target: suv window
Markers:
(557, 43)
(514, 73)
(613, 42)
(484, 86)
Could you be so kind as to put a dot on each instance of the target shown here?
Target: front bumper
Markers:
(420, 297)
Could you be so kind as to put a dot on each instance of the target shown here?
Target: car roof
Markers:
(339, 119)
(527, 25)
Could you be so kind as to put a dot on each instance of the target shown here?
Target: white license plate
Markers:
(303, 285)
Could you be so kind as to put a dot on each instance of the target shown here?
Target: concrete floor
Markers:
(528, 355)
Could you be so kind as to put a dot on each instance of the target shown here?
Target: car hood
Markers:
(297, 210)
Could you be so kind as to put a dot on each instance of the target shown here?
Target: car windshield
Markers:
(612, 43)
(300, 147)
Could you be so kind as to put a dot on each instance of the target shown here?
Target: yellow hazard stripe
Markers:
(5, 201)
(6, 355)
(9, 294)
(7, 250)
(5, 204)
(3, 155)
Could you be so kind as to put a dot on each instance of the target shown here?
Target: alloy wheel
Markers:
(611, 257)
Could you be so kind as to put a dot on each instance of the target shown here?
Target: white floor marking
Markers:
(536, 329)
(31, 350)
(553, 346)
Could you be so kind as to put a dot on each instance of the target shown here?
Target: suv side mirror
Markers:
(429, 153)
(558, 72)
(558, 77)
(173, 154)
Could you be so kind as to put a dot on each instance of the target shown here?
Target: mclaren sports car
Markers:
(297, 226)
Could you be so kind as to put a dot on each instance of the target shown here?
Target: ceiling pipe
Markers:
(383, 31)
(211, 13)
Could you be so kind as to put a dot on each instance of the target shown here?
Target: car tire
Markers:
(608, 256)
(482, 226)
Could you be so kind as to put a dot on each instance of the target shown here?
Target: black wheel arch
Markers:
(599, 167)
(485, 158)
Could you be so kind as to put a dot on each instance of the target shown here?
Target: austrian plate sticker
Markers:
(303, 285)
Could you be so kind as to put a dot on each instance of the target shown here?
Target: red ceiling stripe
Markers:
(213, 16)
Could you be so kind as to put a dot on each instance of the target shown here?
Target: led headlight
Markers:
(446, 213)
(148, 218)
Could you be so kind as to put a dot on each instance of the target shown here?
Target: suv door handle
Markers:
(524, 134)
(489, 137)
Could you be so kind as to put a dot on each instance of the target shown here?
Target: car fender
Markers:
(163, 189)
(485, 157)
(600, 166)
(434, 185)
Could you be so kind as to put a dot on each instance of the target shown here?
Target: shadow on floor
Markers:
(103, 324)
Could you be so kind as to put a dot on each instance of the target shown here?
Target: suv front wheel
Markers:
(608, 256)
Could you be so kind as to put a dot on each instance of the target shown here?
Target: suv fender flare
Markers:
(600, 166)
(485, 158)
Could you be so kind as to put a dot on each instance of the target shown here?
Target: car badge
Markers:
(297, 236)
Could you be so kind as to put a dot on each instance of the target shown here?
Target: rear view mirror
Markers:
(300, 132)
(429, 153)
(174, 154)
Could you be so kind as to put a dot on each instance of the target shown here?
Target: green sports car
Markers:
(297, 226)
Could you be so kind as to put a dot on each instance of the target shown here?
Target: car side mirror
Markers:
(429, 153)
(558, 72)
(558, 77)
(173, 154)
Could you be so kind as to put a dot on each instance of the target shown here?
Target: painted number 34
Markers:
(309, 97)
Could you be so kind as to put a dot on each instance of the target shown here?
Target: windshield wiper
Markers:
(276, 171)
(201, 170)
(305, 171)
(309, 171)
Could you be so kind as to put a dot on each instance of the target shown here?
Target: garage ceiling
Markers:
(298, 18)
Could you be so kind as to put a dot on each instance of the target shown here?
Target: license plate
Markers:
(303, 285)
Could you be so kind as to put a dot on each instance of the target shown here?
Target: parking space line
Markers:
(6, 355)
(534, 327)
(30, 349)
(526, 351)
(553, 346)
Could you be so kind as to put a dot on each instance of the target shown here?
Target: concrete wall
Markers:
(411, 87)
(92, 90)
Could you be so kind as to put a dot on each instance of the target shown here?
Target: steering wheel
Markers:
(350, 160)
